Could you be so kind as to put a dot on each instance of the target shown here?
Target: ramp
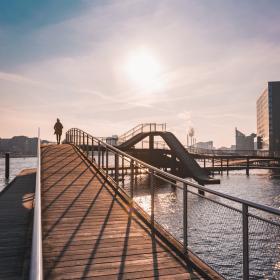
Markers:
(90, 233)
(188, 162)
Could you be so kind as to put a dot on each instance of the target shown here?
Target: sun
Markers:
(144, 70)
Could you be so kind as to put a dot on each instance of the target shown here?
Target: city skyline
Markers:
(105, 66)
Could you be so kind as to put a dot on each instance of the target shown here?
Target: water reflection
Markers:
(215, 231)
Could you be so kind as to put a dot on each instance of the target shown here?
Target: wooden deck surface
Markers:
(16, 215)
(87, 231)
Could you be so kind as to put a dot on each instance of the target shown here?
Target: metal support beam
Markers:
(151, 142)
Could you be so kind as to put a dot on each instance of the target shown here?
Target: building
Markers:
(19, 146)
(204, 145)
(268, 118)
(243, 142)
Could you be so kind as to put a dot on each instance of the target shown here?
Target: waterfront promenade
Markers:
(89, 231)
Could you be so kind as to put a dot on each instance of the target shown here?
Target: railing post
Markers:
(98, 154)
(245, 239)
(247, 166)
(131, 179)
(83, 140)
(7, 165)
(152, 189)
(87, 146)
(227, 166)
(117, 169)
(185, 216)
(107, 162)
(102, 158)
(122, 171)
(92, 150)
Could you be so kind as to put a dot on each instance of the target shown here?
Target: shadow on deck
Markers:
(88, 231)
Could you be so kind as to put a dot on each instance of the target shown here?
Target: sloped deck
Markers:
(88, 232)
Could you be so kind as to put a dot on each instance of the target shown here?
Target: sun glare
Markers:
(144, 70)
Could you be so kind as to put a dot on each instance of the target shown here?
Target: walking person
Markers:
(58, 130)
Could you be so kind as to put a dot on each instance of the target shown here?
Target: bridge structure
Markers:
(225, 160)
(99, 214)
(162, 153)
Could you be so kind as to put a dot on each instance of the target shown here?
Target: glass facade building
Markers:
(268, 117)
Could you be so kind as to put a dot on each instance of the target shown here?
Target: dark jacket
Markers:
(58, 128)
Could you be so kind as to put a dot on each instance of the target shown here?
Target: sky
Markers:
(106, 66)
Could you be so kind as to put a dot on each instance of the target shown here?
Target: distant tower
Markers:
(191, 135)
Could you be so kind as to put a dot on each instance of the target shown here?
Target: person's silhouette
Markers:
(58, 130)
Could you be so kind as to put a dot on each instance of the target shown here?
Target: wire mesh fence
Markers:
(236, 238)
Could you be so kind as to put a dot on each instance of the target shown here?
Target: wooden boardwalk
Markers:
(89, 233)
(16, 212)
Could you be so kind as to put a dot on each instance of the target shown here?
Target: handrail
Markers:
(90, 144)
(188, 182)
(140, 128)
(36, 270)
(214, 152)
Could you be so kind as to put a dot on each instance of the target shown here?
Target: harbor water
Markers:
(16, 165)
(215, 231)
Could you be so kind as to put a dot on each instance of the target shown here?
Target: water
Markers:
(215, 231)
(16, 165)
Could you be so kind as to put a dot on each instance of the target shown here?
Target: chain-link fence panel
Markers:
(215, 235)
(264, 248)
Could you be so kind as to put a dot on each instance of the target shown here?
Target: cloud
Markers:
(213, 67)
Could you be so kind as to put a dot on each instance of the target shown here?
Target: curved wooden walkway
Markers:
(89, 233)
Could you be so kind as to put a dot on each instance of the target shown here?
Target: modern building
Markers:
(268, 118)
(243, 142)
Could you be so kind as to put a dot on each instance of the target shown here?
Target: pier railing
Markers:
(237, 238)
(144, 127)
(251, 153)
(36, 269)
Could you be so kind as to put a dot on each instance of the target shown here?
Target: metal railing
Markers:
(144, 127)
(237, 238)
(156, 145)
(36, 269)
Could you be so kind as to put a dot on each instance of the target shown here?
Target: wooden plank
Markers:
(88, 233)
